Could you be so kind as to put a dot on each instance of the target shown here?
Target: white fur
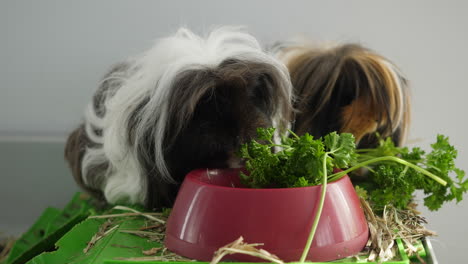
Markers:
(150, 76)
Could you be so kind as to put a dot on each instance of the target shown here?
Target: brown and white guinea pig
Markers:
(188, 102)
(347, 88)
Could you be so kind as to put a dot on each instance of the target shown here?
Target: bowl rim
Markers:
(191, 177)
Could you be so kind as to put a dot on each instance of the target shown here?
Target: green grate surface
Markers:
(48, 229)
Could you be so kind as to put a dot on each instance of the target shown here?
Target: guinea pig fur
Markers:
(347, 88)
(188, 102)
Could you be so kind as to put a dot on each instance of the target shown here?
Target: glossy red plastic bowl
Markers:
(213, 209)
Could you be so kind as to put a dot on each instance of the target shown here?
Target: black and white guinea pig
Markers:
(188, 102)
(347, 88)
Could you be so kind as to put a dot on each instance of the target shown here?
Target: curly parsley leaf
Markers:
(298, 162)
(396, 183)
(342, 148)
(395, 173)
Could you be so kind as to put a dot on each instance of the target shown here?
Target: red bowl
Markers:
(213, 209)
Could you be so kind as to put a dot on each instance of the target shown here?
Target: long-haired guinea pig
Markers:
(188, 102)
(347, 88)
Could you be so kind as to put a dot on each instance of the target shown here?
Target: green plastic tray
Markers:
(50, 227)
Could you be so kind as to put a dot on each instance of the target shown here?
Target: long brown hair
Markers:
(348, 88)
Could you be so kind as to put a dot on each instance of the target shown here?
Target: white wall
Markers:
(52, 54)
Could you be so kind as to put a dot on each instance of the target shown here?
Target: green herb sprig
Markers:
(299, 162)
(395, 173)
(396, 182)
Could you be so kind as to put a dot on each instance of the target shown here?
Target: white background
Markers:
(52, 54)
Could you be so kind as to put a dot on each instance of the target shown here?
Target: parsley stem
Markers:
(318, 212)
(340, 174)
(294, 134)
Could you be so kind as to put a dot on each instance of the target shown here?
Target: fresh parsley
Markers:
(394, 173)
(299, 161)
(395, 182)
